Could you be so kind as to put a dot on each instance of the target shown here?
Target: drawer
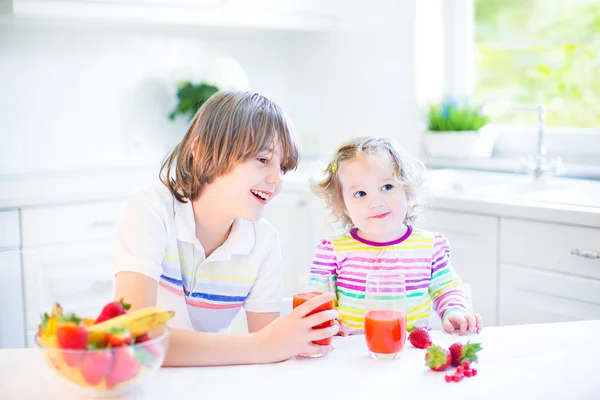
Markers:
(529, 296)
(10, 235)
(72, 223)
(548, 246)
(79, 277)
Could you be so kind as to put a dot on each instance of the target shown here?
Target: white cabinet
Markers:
(537, 296)
(541, 280)
(67, 257)
(271, 14)
(11, 282)
(474, 254)
(12, 334)
(289, 212)
(79, 276)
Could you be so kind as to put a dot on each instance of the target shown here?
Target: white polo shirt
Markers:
(157, 238)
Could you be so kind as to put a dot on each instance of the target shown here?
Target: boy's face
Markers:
(374, 200)
(245, 190)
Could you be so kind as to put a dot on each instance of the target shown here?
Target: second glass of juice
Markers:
(385, 314)
(308, 286)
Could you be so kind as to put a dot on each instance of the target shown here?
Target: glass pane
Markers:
(532, 51)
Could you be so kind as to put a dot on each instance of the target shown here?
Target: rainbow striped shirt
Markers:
(422, 256)
(157, 238)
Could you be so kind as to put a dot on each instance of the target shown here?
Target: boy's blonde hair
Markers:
(230, 128)
(409, 172)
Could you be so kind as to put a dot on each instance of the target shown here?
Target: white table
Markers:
(544, 361)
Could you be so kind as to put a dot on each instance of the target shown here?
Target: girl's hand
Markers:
(468, 322)
(341, 331)
(292, 334)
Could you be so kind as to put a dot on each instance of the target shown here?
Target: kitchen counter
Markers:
(557, 361)
(24, 191)
(560, 200)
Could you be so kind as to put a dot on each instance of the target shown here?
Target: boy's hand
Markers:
(464, 323)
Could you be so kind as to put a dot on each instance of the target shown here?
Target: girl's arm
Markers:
(444, 288)
(283, 338)
(448, 297)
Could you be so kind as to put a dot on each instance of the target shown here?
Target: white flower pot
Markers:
(465, 144)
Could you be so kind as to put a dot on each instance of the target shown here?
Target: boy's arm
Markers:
(263, 304)
(445, 291)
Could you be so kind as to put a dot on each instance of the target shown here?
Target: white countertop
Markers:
(562, 200)
(24, 191)
(542, 361)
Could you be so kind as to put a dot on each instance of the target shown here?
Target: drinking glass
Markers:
(385, 314)
(308, 286)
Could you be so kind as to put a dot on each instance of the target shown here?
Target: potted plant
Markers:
(224, 73)
(458, 130)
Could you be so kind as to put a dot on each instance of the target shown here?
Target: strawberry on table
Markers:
(113, 309)
(464, 353)
(437, 358)
(117, 337)
(96, 366)
(419, 337)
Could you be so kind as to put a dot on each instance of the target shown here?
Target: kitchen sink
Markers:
(515, 186)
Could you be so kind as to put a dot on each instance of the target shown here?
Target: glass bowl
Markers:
(108, 372)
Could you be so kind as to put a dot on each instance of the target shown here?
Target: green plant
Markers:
(449, 116)
(190, 97)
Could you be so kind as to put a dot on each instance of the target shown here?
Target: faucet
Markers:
(539, 166)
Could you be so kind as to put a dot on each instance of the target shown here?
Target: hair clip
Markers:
(334, 168)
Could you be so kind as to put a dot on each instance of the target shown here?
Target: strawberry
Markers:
(96, 366)
(456, 353)
(117, 337)
(125, 367)
(72, 337)
(464, 353)
(419, 337)
(437, 358)
(144, 337)
(113, 309)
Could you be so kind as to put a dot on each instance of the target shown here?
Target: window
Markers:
(540, 51)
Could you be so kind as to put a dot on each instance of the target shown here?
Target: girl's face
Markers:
(374, 200)
(244, 191)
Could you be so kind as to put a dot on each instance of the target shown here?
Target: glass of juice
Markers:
(308, 286)
(385, 314)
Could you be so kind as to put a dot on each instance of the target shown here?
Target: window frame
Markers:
(447, 27)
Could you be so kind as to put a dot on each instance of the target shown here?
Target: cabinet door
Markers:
(78, 276)
(474, 254)
(530, 296)
(12, 325)
(10, 235)
(289, 213)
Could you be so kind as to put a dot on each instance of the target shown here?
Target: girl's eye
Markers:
(389, 186)
(263, 160)
(360, 193)
(284, 169)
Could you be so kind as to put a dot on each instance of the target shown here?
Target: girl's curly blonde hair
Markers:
(409, 172)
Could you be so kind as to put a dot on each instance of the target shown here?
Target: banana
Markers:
(137, 322)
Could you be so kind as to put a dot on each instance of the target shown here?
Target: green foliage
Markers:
(190, 97)
(531, 52)
(449, 116)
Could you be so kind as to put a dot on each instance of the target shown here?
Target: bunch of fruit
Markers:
(438, 358)
(105, 352)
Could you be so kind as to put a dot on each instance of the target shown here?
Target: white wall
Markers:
(89, 97)
(359, 80)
